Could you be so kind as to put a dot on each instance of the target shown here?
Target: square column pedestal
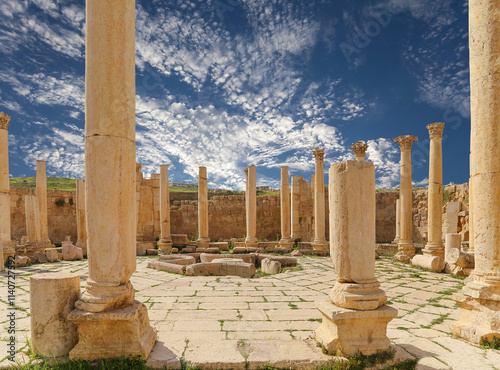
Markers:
(124, 331)
(346, 331)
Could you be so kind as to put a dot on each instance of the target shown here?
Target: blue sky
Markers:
(230, 83)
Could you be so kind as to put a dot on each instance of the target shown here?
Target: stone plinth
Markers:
(345, 331)
(406, 249)
(165, 242)
(203, 239)
(320, 245)
(52, 298)
(251, 206)
(120, 332)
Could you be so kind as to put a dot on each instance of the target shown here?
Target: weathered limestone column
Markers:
(251, 207)
(480, 298)
(41, 194)
(320, 245)
(295, 207)
(471, 220)
(398, 221)
(286, 240)
(110, 185)
(434, 249)
(81, 222)
(355, 317)
(203, 239)
(5, 233)
(32, 219)
(406, 250)
(165, 242)
(359, 150)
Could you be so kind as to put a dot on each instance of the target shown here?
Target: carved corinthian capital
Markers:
(405, 141)
(435, 130)
(359, 150)
(319, 154)
(4, 121)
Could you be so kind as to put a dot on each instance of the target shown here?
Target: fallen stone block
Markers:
(140, 251)
(204, 269)
(285, 261)
(175, 250)
(51, 254)
(248, 258)
(21, 261)
(269, 266)
(296, 253)
(166, 266)
(239, 250)
(152, 252)
(71, 252)
(178, 259)
(220, 246)
(188, 249)
(39, 257)
(245, 270)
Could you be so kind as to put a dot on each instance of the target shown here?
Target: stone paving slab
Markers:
(233, 322)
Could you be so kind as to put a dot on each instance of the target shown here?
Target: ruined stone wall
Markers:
(61, 218)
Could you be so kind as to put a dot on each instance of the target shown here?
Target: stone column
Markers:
(81, 224)
(110, 185)
(286, 240)
(5, 232)
(295, 207)
(203, 239)
(406, 250)
(398, 222)
(32, 219)
(165, 243)
(359, 150)
(251, 207)
(471, 220)
(433, 253)
(320, 245)
(355, 317)
(480, 298)
(41, 194)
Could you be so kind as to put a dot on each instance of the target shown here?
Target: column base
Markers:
(120, 332)
(434, 250)
(355, 296)
(99, 297)
(429, 262)
(395, 241)
(165, 246)
(321, 247)
(479, 306)
(345, 331)
(251, 242)
(287, 244)
(406, 251)
(203, 243)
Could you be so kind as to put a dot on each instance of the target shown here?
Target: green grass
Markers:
(495, 343)
(53, 183)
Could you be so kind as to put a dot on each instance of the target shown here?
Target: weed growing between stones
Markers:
(494, 344)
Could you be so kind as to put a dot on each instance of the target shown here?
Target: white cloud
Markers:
(385, 155)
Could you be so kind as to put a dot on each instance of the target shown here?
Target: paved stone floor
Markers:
(228, 321)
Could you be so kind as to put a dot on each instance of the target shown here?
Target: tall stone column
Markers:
(398, 222)
(251, 207)
(32, 219)
(471, 219)
(320, 245)
(479, 300)
(165, 243)
(286, 240)
(81, 222)
(406, 250)
(355, 317)
(110, 185)
(433, 253)
(203, 239)
(5, 232)
(295, 207)
(41, 194)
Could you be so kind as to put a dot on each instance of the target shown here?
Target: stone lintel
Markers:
(120, 332)
(346, 331)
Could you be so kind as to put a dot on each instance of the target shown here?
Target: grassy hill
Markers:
(53, 183)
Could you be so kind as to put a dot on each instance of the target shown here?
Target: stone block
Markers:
(434, 263)
(51, 254)
(296, 253)
(39, 257)
(248, 258)
(346, 331)
(21, 261)
(222, 246)
(239, 250)
(179, 240)
(189, 249)
(285, 261)
(204, 269)
(152, 252)
(167, 266)
(122, 332)
(140, 250)
(71, 252)
(239, 245)
(178, 259)
(269, 266)
(52, 298)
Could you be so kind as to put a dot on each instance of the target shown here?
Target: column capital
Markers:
(435, 130)
(405, 141)
(319, 154)
(359, 149)
(4, 121)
